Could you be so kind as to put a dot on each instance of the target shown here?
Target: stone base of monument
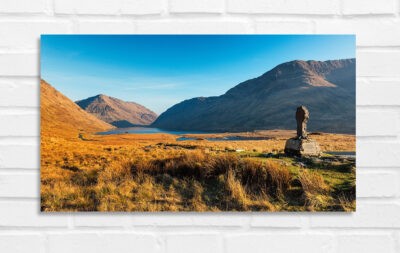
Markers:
(302, 147)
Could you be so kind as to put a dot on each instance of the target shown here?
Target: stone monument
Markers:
(301, 145)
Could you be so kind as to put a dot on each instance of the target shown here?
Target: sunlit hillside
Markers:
(61, 117)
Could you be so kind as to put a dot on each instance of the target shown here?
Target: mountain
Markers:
(117, 112)
(62, 117)
(326, 88)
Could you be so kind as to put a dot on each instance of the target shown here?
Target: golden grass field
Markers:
(154, 172)
(81, 171)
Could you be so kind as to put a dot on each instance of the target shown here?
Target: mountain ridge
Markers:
(60, 116)
(327, 88)
(116, 111)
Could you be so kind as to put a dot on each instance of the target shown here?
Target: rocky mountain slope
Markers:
(326, 88)
(62, 117)
(117, 112)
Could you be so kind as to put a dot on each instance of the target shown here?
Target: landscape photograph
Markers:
(198, 123)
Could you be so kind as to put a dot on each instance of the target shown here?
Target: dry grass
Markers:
(81, 171)
(314, 190)
(274, 141)
(313, 182)
(236, 191)
(187, 181)
(156, 173)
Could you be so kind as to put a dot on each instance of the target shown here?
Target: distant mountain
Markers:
(326, 88)
(117, 112)
(62, 117)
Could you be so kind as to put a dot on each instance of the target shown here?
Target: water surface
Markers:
(181, 134)
(147, 130)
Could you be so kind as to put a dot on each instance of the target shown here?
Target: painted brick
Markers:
(200, 220)
(109, 7)
(283, 26)
(101, 220)
(368, 215)
(377, 122)
(369, 32)
(159, 219)
(108, 27)
(378, 154)
(19, 125)
(319, 7)
(377, 63)
(21, 243)
(19, 93)
(201, 6)
(19, 156)
(378, 92)
(221, 220)
(369, 7)
(26, 34)
(276, 220)
(87, 7)
(102, 242)
(278, 242)
(143, 7)
(189, 27)
(19, 64)
(27, 214)
(19, 185)
(23, 6)
(373, 228)
(377, 184)
(182, 243)
(365, 243)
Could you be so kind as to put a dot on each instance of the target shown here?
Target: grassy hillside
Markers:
(62, 117)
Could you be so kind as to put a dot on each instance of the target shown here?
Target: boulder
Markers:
(302, 147)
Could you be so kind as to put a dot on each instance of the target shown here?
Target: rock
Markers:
(302, 147)
(302, 116)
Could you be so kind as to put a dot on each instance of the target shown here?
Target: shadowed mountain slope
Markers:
(117, 112)
(326, 88)
(62, 117)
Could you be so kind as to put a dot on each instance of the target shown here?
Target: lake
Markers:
(147, 130)
(152, 130)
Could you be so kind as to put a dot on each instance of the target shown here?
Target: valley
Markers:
(221, 153)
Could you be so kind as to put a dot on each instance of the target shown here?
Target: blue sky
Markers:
(159, 71)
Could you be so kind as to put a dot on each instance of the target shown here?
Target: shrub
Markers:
(237, 194)
(314, 189)
(313, 183)
(270, 177)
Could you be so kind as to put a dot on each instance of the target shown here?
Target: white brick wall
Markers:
(375, 227)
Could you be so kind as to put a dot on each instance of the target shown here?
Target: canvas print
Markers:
(203, 123)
